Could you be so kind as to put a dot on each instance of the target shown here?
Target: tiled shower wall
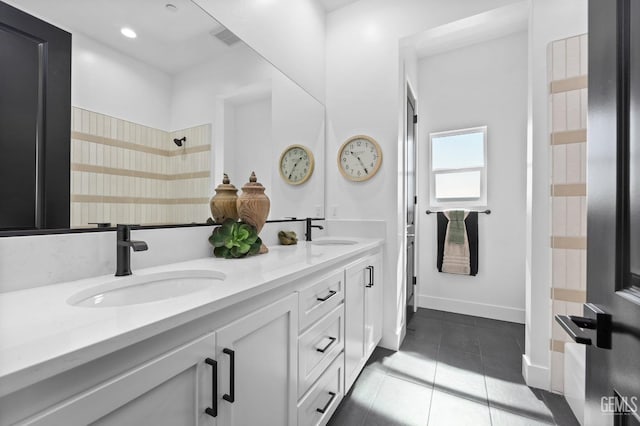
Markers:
(123, 172)
(568, 98)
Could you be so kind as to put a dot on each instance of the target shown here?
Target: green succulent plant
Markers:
(234, 239)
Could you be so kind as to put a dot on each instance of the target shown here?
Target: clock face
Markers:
(359, 158)
(296, 164)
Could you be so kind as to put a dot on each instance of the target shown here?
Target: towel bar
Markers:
(482, 211)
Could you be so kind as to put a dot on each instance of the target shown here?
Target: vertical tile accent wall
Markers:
(123, 172)
(567, 68)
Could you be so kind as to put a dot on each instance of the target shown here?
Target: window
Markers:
(458, 168)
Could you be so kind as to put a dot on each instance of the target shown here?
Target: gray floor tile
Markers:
(451, 370)
(560, 410)
(460, 337)
(415, 363)
(507, 393)
(501, 417)
(449, 409)
(400, 402)
(459, 318)
(429, 313)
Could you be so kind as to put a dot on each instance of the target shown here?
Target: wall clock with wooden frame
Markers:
(359, 158)
(296, 164)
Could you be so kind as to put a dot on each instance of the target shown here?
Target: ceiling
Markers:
(168, 40)
(331, 5)
(475, 29)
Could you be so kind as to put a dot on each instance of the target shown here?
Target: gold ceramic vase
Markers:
(224, 204)
(253, 205)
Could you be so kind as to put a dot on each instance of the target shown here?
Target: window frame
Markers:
(480, 202)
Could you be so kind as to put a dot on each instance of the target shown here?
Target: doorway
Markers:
(410, 201)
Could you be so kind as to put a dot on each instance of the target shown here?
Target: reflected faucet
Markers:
(123, 252)
(310, 226)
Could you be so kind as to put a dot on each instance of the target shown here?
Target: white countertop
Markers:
(42, 335)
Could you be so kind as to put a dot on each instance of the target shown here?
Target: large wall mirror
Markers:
(157, 119)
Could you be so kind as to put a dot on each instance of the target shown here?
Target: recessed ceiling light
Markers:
(128, 32)
(171, 7)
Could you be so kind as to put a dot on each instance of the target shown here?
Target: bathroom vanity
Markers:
(275, 339)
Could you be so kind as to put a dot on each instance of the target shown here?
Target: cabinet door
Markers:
(172, 389)
(373, 304)
(354, 347)
(258, 367)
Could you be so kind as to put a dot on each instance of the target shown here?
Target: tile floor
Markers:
(451, 370)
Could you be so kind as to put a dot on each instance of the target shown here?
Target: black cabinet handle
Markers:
(213, 410)
(231, 396)
(371, 276)
(323, 409)
(323, 350)
(327, 297)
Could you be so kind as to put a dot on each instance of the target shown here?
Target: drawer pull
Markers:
(332, 341)
(327, 297)
(213, 410)
(231, 396)
(326, 407)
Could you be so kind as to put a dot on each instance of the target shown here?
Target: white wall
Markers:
(288, 33)
(550, 20)
(482, 84)
(252, 139)
(111, 83)
(362, 96)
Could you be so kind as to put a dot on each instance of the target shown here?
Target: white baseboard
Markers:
(535, 376)
(484, 310)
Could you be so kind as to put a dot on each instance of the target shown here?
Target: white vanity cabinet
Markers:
(171, 389)
(283, 357)
(258, 366)
(363, 313)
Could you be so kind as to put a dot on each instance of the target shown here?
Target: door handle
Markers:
(575, 325)
(213, 410)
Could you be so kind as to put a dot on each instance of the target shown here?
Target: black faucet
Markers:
(123, 254)
(309, 227)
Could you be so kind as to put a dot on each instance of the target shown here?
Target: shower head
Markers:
(180, 141)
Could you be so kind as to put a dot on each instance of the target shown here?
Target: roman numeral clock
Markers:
(359, 158)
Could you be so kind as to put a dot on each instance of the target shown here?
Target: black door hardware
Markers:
(326, 407)
(327, 297)
(213, 410)
(371, 276)
(323, 350)
(575, 326)
(231, 396)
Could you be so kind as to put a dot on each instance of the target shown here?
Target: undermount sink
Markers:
(135, 289)
(333, 242)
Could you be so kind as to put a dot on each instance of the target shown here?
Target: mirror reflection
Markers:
(164, 101)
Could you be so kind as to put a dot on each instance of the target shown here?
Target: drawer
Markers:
(319, 404)
(318, 346)
(319, 298)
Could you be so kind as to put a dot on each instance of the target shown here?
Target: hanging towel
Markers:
(456, 228)
(458, 258)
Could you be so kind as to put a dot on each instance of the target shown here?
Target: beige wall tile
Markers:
(584, 54)
(574, 110)
(573, 269)
(559, 268)
(559, 172)
(559, 112)
(558, 60)
(573, 57)
(574, 163)
(574, 217)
